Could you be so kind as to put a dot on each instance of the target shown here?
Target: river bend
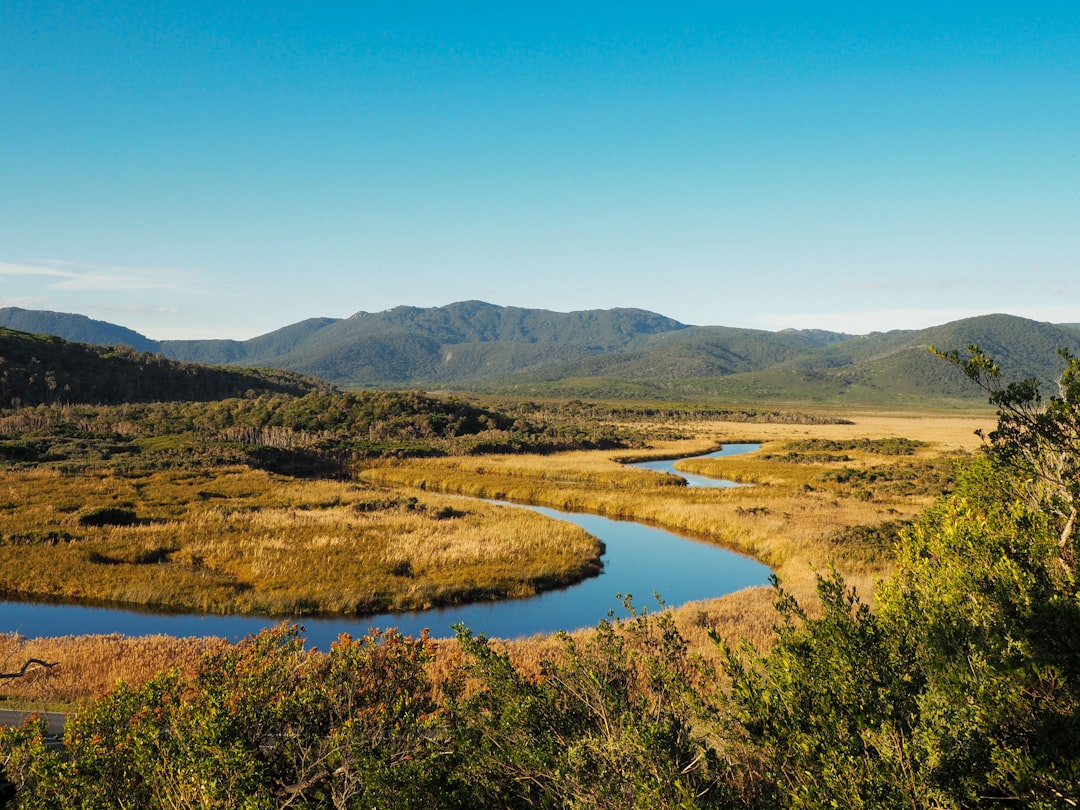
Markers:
(639, 560)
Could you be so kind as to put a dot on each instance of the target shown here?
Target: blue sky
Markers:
(213, 169)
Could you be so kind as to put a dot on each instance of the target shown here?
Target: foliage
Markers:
(827, 708)
(993, 625)
(108, 516)
(262, 724)
(1039, 443)
(931, 476)
(619, 720)
(963, 688)
(42, 369)
(319, 434)
(892, 446)
(866, 542)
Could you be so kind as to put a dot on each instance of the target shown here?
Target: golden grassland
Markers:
(788, 517)
(792, 515)
(88, 666)
(800, 513)
(240, 540)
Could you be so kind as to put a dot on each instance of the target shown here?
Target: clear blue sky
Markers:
(222, 169)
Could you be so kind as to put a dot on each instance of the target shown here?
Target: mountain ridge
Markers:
(474, 345)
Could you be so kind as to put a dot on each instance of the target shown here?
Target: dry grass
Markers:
(240, 540)
(87, 666)
(789, 518)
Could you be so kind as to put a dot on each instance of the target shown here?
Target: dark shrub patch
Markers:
(109, 516)
(49, 538)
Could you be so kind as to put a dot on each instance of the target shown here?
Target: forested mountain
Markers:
(412, 346)
(746, 365)
(476, 346)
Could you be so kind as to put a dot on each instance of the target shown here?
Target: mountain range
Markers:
(612, 353)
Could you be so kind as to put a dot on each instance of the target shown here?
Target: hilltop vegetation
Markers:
(77, 328)
(72, 404)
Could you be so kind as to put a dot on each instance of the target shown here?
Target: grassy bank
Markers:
(807, 506)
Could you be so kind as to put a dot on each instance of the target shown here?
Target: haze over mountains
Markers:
(477, 346)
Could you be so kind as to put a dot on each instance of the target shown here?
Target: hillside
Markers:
(45, 369)
(412, 346)
(76, 328)
(887, 369)
(617, 353)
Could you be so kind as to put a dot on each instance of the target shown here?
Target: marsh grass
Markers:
(799, 515)
(793, 516)
(247, 541)
(88, 666)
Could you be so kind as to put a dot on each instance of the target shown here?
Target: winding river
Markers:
(639, 560)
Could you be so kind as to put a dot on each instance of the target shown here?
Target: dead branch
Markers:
(5, 676)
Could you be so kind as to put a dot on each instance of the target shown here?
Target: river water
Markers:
(639, 561)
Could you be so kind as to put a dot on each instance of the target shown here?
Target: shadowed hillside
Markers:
(44, 369)
(78, 328)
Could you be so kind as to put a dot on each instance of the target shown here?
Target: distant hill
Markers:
(413, 346)
(45, 369)
(76, 328)
(613, 353)
(404, 346)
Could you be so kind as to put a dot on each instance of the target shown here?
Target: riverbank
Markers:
(804, 511)
(807, 508)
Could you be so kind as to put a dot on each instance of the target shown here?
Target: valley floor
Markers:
(819, 495)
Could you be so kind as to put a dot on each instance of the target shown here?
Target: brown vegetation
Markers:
(241, 540)
(87, 666)
(792, 517)
(799, 515)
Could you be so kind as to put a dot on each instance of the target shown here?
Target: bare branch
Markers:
(36, 662)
